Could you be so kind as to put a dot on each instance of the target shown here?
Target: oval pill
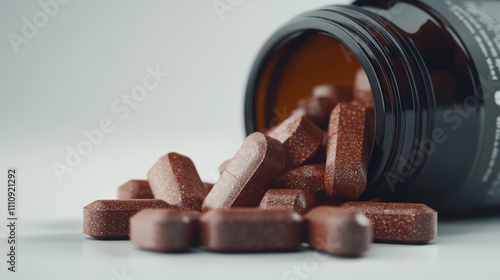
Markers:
(109, 219)
(398, 222)
(251, 230)
(253, 169)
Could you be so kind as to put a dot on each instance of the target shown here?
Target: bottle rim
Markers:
(400, 119)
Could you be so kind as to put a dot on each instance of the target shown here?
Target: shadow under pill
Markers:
(412, 244)
(106, 239)
(179, 253)
(258, 253)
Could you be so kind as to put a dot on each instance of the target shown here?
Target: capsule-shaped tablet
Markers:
(251, 230)
(348, 148)
(309, 178)
(135, 189)
(300, 137)
(318, 107)
(253, 169)
(299, 201)
(164, 230)
(109, 219)
(398, 222)
(223, 166)
(317, 110)
(338, 232)
(174, 179)
(336, 93)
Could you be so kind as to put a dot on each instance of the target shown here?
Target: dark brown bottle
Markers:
(434, 69)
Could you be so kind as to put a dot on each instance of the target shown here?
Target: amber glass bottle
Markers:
(434, 69)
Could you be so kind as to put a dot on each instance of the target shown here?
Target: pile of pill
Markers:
(292, 186)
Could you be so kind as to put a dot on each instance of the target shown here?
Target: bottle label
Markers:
(482, 19)
(478, 24)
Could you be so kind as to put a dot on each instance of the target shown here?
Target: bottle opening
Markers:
(295, 68)
(426, 76)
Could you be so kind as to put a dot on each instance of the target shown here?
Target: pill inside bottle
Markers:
(413, 75)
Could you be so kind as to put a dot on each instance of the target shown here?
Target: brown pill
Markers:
(109, 219)
(335, 92)
(398, 222)
(251, 230)
(309, 178)
(208, 187)
(254, 168)
(348, 149)
(324, 98)
(297, 200)
(362, 92)
(300, 137)
(320, 156)
(338, 232)
(223, 166)
(316, 109)
(174, 179)
(164, 230)
(135, 189)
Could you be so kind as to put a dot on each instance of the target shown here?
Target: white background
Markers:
(66, 77)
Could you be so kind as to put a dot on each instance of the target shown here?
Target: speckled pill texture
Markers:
(165, 230)
(254, 168)
(348, 148)
(398, 222)
(135, 189)
(251, 230)
(109, 219)
(300, 137)
(174, 179)
(309, 178)
(338, 231)
(297, 200)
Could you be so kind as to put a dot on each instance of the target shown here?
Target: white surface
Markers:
(58, 250)
(65, 79)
